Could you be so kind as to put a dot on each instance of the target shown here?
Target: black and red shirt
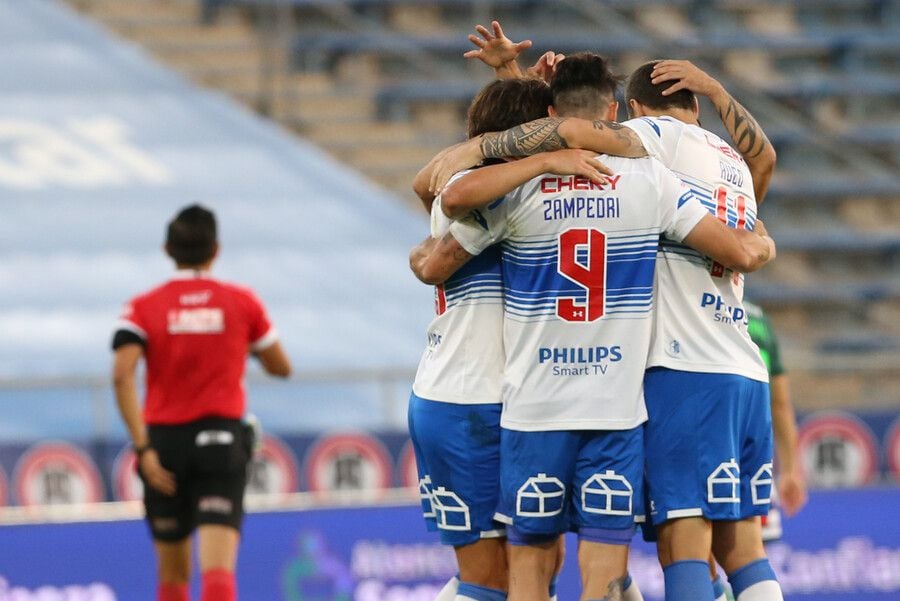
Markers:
(196, 332)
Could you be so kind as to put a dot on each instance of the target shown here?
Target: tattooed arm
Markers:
(542, 135)
(746, 134)
(436, 259)
(555, 133)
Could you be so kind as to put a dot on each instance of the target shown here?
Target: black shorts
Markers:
(209, 458)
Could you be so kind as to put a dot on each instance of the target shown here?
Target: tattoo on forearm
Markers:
(746, 133)
(524, 140)
(631, 143)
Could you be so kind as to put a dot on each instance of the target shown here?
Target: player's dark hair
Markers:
(506, 103)
(191, 236)
(649, 94)
(583, 86)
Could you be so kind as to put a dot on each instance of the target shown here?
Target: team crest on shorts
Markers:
(607, 494)
(450, 511)
(723, 484)
(541, 496)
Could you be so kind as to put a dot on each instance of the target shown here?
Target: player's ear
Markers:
(215, 253)
(696, 107)
(551, 110)
(635, 109)
(612, 111)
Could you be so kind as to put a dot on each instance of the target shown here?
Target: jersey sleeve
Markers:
(681, 209)
(482, 227)
(440, 223)
(262, 333)
(660, 137)
(130, 328)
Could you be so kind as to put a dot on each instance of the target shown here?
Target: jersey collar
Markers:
(190, 274)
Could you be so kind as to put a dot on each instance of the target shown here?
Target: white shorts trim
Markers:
(503, 519)
(498, 533)
(684, 513)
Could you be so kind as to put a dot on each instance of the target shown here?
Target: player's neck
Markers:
(683, 115)
(196, 269)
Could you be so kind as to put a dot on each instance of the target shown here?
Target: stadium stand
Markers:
(98, 148)
(382, 85)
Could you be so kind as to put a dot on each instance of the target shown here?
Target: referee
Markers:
(194, 332)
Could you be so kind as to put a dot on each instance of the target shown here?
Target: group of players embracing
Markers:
(589, 367)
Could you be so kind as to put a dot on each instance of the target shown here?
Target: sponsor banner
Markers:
(892, 450)
(127, 485)
(838, 450)
(348, 462)
(385, 554)
(273, 469)
(57, 473)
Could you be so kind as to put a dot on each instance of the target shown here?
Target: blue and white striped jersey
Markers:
(463, 359)
(700, 323)
(578, 263)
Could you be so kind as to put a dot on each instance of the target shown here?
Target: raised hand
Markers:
(495, 49)
(583, 163)
(686, 75)
(545, 67)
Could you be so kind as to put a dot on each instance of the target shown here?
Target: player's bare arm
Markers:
(423, 179)
(497, 51)
(555, 133)
(791, 483)
(543, 135)
(124, 377)
(746, 134)
(274, 360)
(436, 259)
(485, 185)
(738, 250)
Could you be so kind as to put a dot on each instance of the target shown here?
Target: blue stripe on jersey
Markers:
(532, 283)
(653, 125)
(479, 280)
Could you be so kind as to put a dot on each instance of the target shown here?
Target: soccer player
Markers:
(790, 482)
(454, 409)
(699, 301)
(194, 333)
(578, 268)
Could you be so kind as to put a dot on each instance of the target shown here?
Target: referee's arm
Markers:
(124, 377)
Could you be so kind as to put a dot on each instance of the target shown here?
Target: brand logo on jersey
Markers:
(552, 185)
(434, 340)
(196, 321)
(723, 312)
(195, 298)
(674, 348)
(723, 148)
(580, 361)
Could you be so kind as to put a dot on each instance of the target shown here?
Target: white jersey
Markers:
(700, 323)
(578, 265)
(463, 362)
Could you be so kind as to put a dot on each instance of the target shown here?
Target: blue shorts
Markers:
(585, 481)
(457, 451)
(708, 445)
